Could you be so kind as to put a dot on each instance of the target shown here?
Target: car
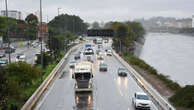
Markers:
(20, 57)
(100, 56)
(9, 49)
(88, 51)
(141, 101)
(3, 62)
(103, 67)
(77, 56)
(2, 55)
(109, 53)
(122, 72)
(98, 51)
(106, 41)
(99, 46)
(72, 64)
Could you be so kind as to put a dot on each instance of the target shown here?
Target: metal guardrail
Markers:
(164, 104)
(36, 95)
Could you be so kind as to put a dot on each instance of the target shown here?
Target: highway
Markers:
(110, 92)
(29, 52)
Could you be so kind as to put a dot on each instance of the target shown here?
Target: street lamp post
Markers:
(41, 40)
(8, 31)
(58, 10)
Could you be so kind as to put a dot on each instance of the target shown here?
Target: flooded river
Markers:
(171, 55)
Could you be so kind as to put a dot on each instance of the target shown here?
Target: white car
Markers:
(21, 57)
(141, 101)
(109, 53)
(100, 56)
(72, 64)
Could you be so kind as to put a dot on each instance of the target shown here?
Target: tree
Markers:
(2, 25)
(32, 19)
(95, 25)
(121, 31)
(23, 73)
(137, 28)
(46, 59)
(184, 97)
(68, 23)
(15, 79)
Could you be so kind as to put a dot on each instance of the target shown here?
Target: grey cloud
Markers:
(106, 10)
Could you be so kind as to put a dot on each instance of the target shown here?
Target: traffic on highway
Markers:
(94, 79)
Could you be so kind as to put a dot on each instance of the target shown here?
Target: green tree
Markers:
(15, 79)
(3, 88)
(47, 58)
(32, 23)
(184, 97)
(2, 25)
(23, 73)
(95, 25)
(66, 22)
(32, 20)
(137, 28)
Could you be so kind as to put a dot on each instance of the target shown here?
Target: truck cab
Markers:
(83, 75)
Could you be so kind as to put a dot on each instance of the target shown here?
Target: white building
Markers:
(193, 21)
(12, 13)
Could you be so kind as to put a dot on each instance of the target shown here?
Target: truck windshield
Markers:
(82, 76)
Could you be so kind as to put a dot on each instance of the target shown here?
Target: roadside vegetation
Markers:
(125, 34)
(184, 97)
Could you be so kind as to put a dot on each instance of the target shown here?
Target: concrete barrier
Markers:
(36, 95)
(163, 103)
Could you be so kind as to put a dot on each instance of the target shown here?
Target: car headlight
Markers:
(138, 104)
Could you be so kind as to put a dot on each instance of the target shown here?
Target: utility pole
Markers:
(58, 11)
(41, 40)
(120, 48)
(7, 23)
(47, 18)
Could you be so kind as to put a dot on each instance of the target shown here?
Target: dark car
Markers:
(9, 50)
(2, 55)
(103, 67)
(77, 56)
(3, 62)
(122, 72)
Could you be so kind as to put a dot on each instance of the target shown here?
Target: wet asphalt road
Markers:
(28, 51)
(110, 92)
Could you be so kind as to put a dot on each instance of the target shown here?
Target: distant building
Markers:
(44, 32)
(12, 13)
(193, 21)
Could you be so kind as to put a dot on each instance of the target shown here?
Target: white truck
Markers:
(83, 75)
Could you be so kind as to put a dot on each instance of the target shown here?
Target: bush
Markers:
(46, 59)
(184, 97)
(16, 80)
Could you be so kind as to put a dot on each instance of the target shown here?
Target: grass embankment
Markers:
(184, 97)
(143, 65)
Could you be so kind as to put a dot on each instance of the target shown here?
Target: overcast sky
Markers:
(105, 10)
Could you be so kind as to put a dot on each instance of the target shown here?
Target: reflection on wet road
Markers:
(84, 101)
